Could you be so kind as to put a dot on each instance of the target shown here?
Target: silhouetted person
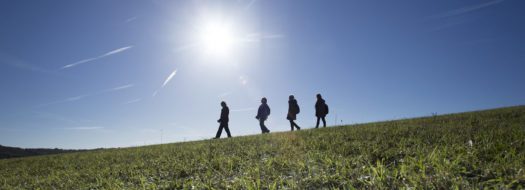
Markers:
(262, 115)
(293, 110)
(321, 110)
(223, 121)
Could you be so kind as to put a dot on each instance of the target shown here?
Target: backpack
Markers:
(297, 109)
(326, 108)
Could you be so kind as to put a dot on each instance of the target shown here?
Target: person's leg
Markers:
(297, 126)
(261, 124)
(317, 125)
(263, 127)
(291, 124)
(324, 122)
(227, 129)
(218, 135)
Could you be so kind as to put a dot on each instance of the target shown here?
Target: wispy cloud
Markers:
(465, 10)
(75, 98)
(166, 81)
(221, 96)
(56, 117)
(84, 128)
(12, 61)
(131, 19)
(119, 50)
(79, 97)
(70, 99)
(133, 101)
(122, 87)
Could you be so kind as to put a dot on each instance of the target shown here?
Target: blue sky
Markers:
(88, 74)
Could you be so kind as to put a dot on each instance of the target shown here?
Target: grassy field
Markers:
(456, 151)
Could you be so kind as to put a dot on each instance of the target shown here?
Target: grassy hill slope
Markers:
(466, 150)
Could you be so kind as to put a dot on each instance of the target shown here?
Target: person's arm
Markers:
(222, 113)
(258, 113)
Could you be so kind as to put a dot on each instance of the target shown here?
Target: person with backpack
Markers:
(321, 110)
(262, 114)
(225, 112)
(293, 110)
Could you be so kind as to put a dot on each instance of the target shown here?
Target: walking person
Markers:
(321, 110)
(225, 112)
(262, 115)
(293, 110)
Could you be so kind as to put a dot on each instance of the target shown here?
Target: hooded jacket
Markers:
(293, 110)
(263, 112)
(321, 109)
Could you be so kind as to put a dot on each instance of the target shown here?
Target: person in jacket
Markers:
(262, 114)
(225, 112)
(321, 110)
(293, 110)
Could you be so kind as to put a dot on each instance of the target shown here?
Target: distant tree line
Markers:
(14, 152)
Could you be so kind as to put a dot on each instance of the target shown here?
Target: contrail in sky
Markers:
(464, 10)
(17, 63)
(168, 79)
(119, 50)
(132, 101)
(131, 19)
(121, 87)
(79, 97)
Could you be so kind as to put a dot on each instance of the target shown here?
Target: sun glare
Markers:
(217, 39)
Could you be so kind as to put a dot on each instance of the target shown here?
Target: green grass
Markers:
(423, 153)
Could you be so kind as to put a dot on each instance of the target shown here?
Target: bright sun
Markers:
(217, 39)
